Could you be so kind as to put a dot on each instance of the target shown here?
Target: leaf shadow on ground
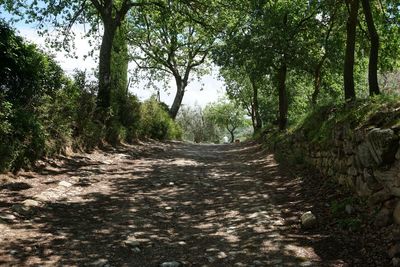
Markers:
(203, 205)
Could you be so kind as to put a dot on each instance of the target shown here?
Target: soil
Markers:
(199, 205)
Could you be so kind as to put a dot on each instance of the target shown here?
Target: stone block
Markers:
(379, 197)
(362, 187)
(383, 145)
(396, 213)
(352, 171)
(364, 156)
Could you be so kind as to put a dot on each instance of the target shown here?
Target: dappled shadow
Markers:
(18, 186)
(202, 205)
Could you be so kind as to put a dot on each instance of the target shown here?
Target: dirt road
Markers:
(199, 205)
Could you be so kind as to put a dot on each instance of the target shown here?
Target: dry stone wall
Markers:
(366, 160)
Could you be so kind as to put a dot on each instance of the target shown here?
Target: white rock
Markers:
(136, 249)
(170, 264)
(349, 209)
(100, 263)
(132, 241)
(222, 255)
(7, 217)
(31, 203)
(308, 220)
(65, 184)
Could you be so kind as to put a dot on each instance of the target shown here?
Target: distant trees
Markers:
(211, 123)
(226, 115)
(196, 126)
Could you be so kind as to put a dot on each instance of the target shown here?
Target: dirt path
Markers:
(200, 205)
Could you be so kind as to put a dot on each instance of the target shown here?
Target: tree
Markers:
(166, 43)
(62, 15)
(196, 126)
(351, 26)
(374, 49)
(244, 88)
(269, 33)
(227, 115)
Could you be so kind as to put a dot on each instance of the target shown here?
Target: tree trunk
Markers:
(232, 135)
(119, 74)
(104, 94)
(374, 50)
(348, 75)
(180, 91)
(317, 81)
(283, 101)
(253, 118)
(256, 110)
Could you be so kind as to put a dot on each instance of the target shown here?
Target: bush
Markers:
(124, 125)
(156, 123)
(34, 119)
(87, 132)
(42, 111)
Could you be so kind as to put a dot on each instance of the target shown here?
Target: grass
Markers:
(380, 111)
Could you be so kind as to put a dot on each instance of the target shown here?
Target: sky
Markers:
(202, 92)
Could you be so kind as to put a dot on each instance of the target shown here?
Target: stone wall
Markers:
(366, 160)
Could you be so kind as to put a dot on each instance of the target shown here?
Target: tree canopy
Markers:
(278, 59)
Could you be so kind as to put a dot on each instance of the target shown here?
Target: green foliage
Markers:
(125, 114)
(126, 122)
(227, 115)
(197, 127)
(156, 123)
(36, 103)
(309, 39)
(318, 125)
(169, 46)
(87, 132)
(342, 218)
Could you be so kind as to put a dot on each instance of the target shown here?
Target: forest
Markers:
(307, 83)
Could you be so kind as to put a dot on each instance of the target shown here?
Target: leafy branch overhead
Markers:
(166, 44)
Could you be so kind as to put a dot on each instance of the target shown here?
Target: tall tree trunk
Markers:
(317, 80)
(256, 109)
(348, 75)
(374, 50)
(253, 117)
(180, 91)
(283, 99)
(119, 74)
(232, 132)
(104, 94)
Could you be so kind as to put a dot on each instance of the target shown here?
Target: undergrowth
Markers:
(378, 111)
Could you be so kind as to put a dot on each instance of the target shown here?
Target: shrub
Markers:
(156, 123)
(31, 96)
(125, 124)
(87, 132)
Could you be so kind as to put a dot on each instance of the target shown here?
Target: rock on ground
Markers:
(171, 264)
(308, 220)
